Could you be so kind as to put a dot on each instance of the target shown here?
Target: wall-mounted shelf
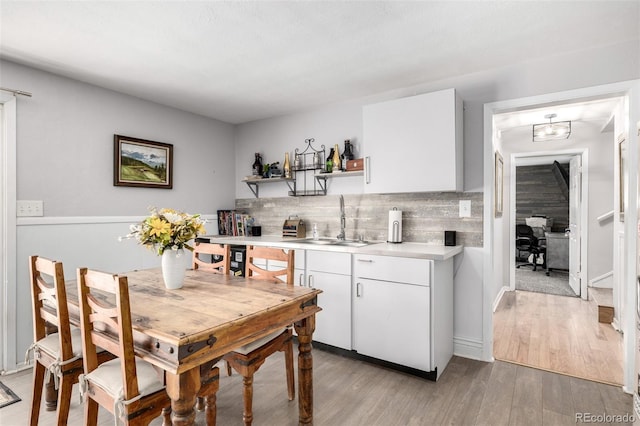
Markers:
(322, 177)
(339, 174)
(254, 184)
(306, 164)
(307, 169)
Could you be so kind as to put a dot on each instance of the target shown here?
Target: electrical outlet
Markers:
(465, 208)
(29, 208)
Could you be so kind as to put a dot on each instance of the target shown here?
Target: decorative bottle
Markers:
(337, 165)
(257, 165)
(348, 150)
(329, 162)
(286, 167)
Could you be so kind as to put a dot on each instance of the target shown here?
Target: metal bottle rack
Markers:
(308, 162)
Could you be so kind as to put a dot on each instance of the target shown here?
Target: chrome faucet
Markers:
(342, 220)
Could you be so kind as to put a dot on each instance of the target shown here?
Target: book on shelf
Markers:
(233, 223)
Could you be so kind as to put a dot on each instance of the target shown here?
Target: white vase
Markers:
(173, 269)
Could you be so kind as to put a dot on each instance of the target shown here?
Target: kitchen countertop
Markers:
(413, 250)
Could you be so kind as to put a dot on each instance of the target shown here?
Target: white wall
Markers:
(333, 123)
(65, 158)
(65, 148)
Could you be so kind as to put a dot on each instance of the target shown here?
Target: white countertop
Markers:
(413, 250)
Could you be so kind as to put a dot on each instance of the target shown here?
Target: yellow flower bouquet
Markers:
(167, 229)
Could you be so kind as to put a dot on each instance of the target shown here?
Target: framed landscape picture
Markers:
(143, 163)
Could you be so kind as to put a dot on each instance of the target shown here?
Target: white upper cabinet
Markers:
(414, 144)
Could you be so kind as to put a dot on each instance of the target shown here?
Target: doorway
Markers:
(541, 213)
(503, 228)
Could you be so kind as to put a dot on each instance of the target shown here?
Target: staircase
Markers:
(604, 299)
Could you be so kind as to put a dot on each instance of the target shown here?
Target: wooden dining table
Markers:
(186, 331)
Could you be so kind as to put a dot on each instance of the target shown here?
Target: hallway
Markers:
(558, 334)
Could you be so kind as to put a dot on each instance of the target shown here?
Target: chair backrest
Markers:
(105, 320)
(284, 274)
(222, 266)
(523, 230)
(49, 302)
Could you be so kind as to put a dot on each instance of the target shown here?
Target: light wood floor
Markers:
(557, 333)
(349, 392)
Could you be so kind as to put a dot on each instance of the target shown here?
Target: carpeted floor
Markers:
(538, 281)
(7, 397)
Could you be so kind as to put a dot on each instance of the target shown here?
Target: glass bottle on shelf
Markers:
(286, 167)
(296, 162)
(337, 165)
(348, 150)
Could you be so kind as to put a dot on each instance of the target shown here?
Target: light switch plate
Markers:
(465, 208)
(29, 208)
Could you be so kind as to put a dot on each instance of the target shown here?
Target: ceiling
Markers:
(598, 113)
(241, 61)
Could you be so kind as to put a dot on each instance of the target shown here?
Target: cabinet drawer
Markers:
(326, 261)
(390, 268)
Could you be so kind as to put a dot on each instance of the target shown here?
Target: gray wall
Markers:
(65, 149)
(538, 193)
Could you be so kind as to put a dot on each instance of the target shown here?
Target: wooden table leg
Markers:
(210, 383)
(305, 329)
(183, 389)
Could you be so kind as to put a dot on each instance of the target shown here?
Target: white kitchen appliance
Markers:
(395, 226)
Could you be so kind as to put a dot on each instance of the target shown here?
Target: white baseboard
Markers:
(499, 297)
(616, 325)
(602, 281)
(468, 348)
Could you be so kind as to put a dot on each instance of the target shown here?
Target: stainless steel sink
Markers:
(333, 242)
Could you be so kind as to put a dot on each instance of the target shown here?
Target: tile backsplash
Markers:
(425, 215)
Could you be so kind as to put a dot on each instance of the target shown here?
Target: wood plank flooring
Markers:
(351, 392)
(559, 334)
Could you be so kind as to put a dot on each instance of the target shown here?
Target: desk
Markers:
(557, 251)
(212, 314)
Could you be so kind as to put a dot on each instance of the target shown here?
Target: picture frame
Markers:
(142, 163)
(622, 184)
(498, 184)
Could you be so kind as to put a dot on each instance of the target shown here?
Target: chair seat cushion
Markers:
(51, 343)
(108, 376)
(250, 347)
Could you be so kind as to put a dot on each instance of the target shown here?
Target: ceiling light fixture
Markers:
(551, 131)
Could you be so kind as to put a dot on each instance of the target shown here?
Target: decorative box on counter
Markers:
(354, 165)
(294, 228)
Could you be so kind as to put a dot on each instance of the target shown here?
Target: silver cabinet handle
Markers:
(310, 280)
(301, 280)
(366, 260)
(358, 289)
(367, 169)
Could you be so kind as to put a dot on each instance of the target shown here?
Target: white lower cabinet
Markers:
(403, 311)
(391, 322)
(331, 273)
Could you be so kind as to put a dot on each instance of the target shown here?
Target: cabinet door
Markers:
(391, 322)
(333, 323)
(414, 144)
